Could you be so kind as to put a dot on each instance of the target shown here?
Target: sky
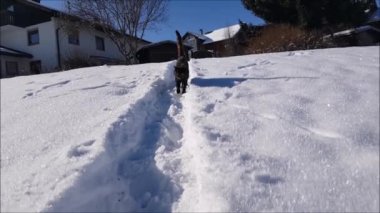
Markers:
(191, 16)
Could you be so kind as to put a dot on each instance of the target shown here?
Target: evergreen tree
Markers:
(311, 13)
(273, 11)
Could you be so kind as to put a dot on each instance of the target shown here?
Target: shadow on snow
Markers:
(231, 82)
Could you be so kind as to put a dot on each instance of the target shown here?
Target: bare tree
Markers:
(122, 20)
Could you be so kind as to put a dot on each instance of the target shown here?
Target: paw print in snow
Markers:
(80, 150)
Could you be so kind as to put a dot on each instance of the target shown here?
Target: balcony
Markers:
(7, 18)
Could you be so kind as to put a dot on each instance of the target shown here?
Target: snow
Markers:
(291, 131)
(356, 30)
(222, 33)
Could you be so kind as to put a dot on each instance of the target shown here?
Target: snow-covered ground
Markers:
(291, 131)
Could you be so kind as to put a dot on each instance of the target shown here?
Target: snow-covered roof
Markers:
(218, 34)
(200, 36)
(344, 32)
(356, 30)
(222, 33)
(12, 52)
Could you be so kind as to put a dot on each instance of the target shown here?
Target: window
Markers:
(11, 8)
(11, 67)
(74, 38)
(35, 67)
(99, 43)
(33, 37)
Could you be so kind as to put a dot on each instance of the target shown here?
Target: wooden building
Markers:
(159, 52)
(221, 42)
(367, 34)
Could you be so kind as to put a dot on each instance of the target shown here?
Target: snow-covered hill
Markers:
(291, 131)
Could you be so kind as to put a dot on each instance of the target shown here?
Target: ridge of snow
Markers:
(130, 180)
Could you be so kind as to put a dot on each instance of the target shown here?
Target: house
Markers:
(33, 40)
(225, 41)
(364, 35)
(159, 52)
(360, 36)
(374, 19)
(195, 40)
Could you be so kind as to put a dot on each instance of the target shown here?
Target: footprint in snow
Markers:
(28, 95)
(59, 84)
(96, 87)
(81, 149)
(265, 62)
(121, 91)
(209, 108)
(246, 66)
(267, 179)
(246, 157)
(107, 109)
(227, 95)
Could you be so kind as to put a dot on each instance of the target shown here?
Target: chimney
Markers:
(201, 31)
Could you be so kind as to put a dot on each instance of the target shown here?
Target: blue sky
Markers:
(192, 15)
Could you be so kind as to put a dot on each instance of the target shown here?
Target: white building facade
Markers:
(33, 41)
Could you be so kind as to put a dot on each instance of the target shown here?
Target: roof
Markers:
(222, 33)
(103, 58)
(218, 34)
(160, 43)
(354, 30)
(200, 36)
(15, 53)
(365, 28)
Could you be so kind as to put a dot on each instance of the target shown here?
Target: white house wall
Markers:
(22, 63)
(87, 45)
(45, 51)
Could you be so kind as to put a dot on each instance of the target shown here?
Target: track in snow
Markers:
(126, 177)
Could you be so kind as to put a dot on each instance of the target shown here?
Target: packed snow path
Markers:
(293, 131)
(126, 176)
